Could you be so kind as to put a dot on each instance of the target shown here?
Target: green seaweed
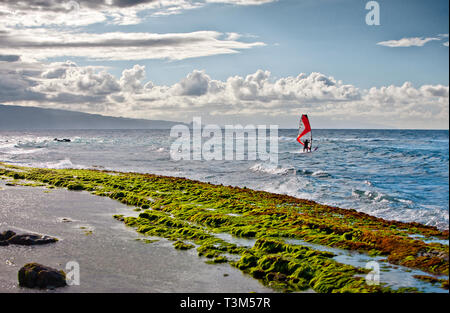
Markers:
(180, 245)
(182, 210)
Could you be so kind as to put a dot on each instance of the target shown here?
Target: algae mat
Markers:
(197, 215)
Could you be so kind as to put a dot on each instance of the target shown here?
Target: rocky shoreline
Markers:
(192, 214)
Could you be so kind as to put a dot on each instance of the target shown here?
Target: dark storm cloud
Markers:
(116, 42)
(73, 98)
(130, 3)
(34, 82)
(15, 86)
(68, 5)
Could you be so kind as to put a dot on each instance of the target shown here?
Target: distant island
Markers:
(14, 117)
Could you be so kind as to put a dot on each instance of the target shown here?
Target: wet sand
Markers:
(110, 258)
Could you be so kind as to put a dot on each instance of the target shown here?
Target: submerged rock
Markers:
(65, 220)
(33, 275)
(62, 140)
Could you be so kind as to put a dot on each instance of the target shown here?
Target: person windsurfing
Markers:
(306, 147)
(303, 129)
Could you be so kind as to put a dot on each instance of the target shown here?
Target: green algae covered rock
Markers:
(247, 260)
(76, 187)
(180, 245)
(34, 275)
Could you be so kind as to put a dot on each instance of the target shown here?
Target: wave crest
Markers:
(271, 169)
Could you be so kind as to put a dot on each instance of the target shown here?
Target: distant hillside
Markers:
(19, 117)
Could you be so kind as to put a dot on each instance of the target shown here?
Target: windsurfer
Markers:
(306, 147)
(303, 129)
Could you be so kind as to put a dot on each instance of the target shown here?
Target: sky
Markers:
(231, 61)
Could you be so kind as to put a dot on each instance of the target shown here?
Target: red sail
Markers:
(304, 127)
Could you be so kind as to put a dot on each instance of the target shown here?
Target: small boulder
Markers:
(31, 239)
(33, 275)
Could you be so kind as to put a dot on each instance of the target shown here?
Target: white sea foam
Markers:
(380, 197)
(294, 186)
(270, 169)
(320, 174)
(17, 147)
(370, 195)
(433, 217)
(16, 151)
(408, 202)
(61, 164)
(287, 139)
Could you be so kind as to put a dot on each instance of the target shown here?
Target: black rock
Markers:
(6, 235)
(31, 239)
(33, 275)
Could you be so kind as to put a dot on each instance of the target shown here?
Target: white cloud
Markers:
(68, 78)
(41, 43)
(242, 2)
(233, 36)
(408, 42)
(413, 41)
(32, 13)
(131, 79)
(196, 83)
(254, 97)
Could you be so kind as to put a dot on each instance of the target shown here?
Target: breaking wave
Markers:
(61, 164)
(271, 169)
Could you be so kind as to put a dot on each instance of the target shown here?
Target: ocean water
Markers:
(394, 174)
